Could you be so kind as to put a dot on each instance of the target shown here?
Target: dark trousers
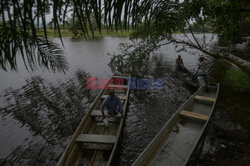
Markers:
(204, 78)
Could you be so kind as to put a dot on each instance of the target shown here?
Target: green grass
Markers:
(67, 33)
(238, 80)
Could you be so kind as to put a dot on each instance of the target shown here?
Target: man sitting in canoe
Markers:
(113, 104)
(180, 65)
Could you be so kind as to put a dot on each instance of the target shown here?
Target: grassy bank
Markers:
(234, 92)
(67, 33)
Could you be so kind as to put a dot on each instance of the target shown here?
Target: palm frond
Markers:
(19, 31)
(51, 53)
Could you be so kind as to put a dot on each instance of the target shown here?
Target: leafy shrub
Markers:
(238, 80)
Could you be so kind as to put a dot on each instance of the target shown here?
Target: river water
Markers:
(40, 110)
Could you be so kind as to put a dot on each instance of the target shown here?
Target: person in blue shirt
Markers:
(113, 104)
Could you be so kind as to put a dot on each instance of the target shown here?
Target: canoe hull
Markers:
(176, 141)
(93, 142)
(187, 76)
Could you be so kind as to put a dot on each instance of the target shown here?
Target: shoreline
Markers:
(66, 33)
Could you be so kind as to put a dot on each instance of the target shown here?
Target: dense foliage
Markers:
(20, 20)
(238, 80)
(230, 19)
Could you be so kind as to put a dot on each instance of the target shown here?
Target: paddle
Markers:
(195, 74)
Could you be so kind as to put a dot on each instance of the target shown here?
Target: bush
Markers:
(238, 80)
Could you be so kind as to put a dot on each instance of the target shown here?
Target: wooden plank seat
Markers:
(193, 115)
(121, 97)
(120, 92)
(98, 113)
(120, 77)
(91, 146)
(118, 86)
(204, 99)
(97, 139)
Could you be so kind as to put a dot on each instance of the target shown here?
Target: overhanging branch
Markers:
(241, 63)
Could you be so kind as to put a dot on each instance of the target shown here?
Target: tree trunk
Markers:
(241, 63)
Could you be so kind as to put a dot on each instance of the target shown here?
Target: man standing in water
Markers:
(179, 62)
(113, 105)
(202, 72)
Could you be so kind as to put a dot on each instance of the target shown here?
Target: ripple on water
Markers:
(36, 105)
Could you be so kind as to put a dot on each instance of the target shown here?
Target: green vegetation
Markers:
(68, 33)
(201, 28)
(20, 21)
(238, 80)
(230, 20)
(52, 33)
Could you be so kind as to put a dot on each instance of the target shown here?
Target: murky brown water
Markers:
(41, 110)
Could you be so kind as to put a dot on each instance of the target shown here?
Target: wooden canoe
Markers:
(93, 143)
(176, 141)
(187, 76)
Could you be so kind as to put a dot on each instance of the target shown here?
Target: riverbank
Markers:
(104, 33)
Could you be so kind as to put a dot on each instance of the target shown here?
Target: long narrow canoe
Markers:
(187, 76)
(176, 141)
(93, 143)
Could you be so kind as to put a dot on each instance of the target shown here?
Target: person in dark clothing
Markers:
(180, 65)
(113, 104)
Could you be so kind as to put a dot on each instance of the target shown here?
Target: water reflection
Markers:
(52, 113)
